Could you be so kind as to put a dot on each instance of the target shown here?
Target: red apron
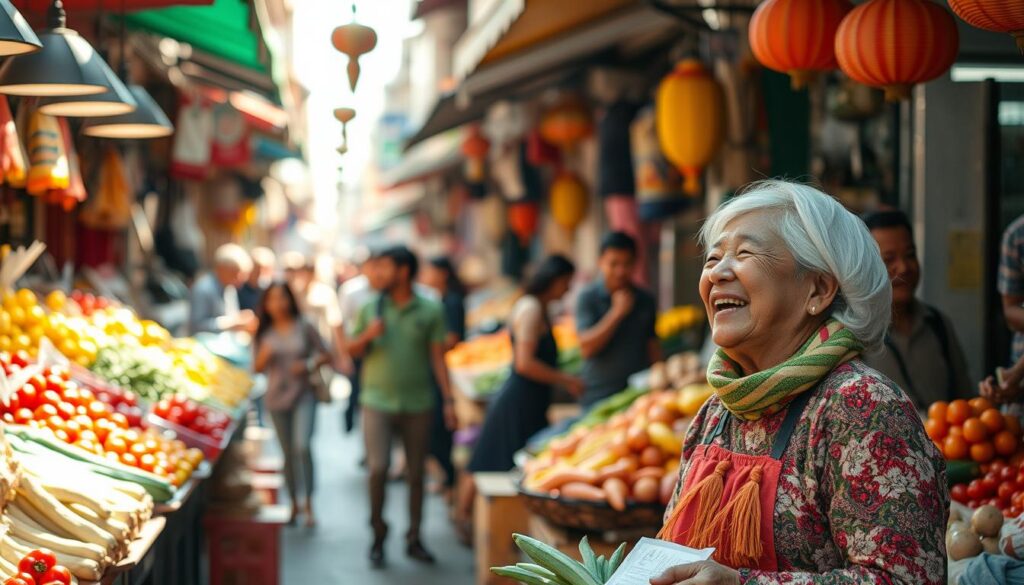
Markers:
(741, 530)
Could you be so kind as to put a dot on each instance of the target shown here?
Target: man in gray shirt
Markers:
(212, 294)
(615, 320)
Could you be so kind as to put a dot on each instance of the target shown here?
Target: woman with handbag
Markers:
(290, 352)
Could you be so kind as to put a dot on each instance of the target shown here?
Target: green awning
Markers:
(221, 29)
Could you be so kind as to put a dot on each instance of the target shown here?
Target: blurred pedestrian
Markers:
(441, 276)
(213, 305)
(400, 336)
(288, 350)
(260, 277)
(354, 294)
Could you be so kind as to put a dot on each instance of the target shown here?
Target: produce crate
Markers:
(246, 550)
(592, 516)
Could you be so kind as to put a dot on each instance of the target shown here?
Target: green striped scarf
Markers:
(766, 392)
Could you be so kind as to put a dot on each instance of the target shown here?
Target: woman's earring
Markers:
(814, 310)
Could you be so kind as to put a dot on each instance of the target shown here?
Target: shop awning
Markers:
(389, 205)
(268, 149)
(113, 5)
(433, 156)
(222, 29)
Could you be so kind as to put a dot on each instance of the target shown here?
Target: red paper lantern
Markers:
(567, 123)
(522, 219)
(894, 44)
(1004, 16)
(475, 148)
(797, 36)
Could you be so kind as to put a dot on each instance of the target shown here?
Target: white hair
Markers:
(233, 256)
(824, 238)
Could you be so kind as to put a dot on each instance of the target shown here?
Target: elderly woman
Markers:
(806, 466)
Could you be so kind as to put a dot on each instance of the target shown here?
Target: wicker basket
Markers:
(592, 516)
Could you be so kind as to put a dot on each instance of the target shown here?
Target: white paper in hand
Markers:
(650, 558)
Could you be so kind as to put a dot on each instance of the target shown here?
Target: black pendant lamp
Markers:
(147, 121)
(16, 36)
(67, 65)
(117, 100)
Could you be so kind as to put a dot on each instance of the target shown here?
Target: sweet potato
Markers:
(578, 490)
(616, 491)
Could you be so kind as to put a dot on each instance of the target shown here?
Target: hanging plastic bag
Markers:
(49, 162)
(190, 158)
(74, 193)
(13, 168)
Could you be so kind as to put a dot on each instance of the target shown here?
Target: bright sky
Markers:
(322, 70)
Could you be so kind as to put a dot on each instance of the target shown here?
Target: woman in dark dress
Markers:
(440, 275)
(521, 406)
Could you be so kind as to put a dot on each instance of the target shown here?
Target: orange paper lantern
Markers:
(354, 39)
(1004, 16)
(566, 124)
(522, 219)
(475, 148)
(894, 44)
(797, 37)
(690, 120)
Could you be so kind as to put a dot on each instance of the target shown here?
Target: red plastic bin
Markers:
(246, 550)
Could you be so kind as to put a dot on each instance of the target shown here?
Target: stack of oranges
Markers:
(973, 430)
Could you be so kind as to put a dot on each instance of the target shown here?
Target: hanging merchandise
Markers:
(230, 147)
(567, 123)
(690, 120)
(894, 44)
(354, 39)
(493, 217)
(568, 200)
(475, 148)
(522, 220)
(615, 163)
(48, 162)
(624, 216)
(658, 184)
(13, 160)
(797, 37)
(74, 193)
(1003, 16)
(540, 152)
(190, 158)
(111, 205)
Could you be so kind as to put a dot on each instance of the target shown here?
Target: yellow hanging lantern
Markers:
(690, 120)
(568, 201)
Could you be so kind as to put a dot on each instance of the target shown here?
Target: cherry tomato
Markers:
(130, 398)
(28, 396)
(1006, 490)
(119, 420)
(989, 485)
(147, 462)
(975, 491)
(129, 459)
(56, 575)
(99, 410)
(45, 411)
(55, 383)
(162, 408)
(38, 382)
(49, 397)
(22, 416)
(116, 444)
(20, 579)
(66, 410)
(20, 358)
(959, 493)
(14, 403)
(37, 563)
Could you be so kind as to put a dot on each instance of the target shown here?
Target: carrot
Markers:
(578, 490)
(616, 490)
(569, 475)
(565, 446)
(654, 472)
(620, 469)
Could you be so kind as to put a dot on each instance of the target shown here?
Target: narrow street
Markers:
(335, 551)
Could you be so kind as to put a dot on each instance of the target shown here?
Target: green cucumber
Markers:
(961, 471)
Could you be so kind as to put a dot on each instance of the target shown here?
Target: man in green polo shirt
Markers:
(400, 336)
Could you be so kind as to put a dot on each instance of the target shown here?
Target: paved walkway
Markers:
(335, 552)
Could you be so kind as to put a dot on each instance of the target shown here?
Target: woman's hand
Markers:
(702, 573)
(574, 385)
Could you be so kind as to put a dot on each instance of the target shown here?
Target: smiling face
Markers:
(757, 300)
(900, 257)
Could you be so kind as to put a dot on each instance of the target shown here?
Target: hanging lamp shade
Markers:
(67, 65)
(568, 201)
(354, 40)
(689, 119)
(475, 148)
(1003, 16)
(114, 102)
(147, 121)
(797, 37)
(16, 36)
(895, 44)
(344, 115)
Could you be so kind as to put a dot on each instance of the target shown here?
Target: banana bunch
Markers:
(677, 319)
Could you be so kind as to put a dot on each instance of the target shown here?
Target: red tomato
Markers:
(1013, 512)
(45, 411)
(73, 396)
(87, 396)
(130, 398)
(975, 491)
(99, 410)
(57, 574)
(974, 504)
(119, 420)
(37, 563)
(14, 403)
(66, 410)
(1006, 490)
(22, 416)
(959, 493)
(49, 397)
(176, 414)
(162, 408)
(20, 358)
(55, 383)
(20, 579)
(38, 382)
(28, 396)
(104, 397)
(1007, 473)
(989, 485)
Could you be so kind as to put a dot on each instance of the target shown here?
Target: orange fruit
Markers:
(993, 419)
(936, 428)
(983, 452)
(955, 431)
(979, 405)
(975, 431)
(959, 411)
(1012, 423)
(938, 410)
(955, 447)
(1006, 443)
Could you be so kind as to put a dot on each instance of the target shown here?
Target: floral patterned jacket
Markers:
(862, 495)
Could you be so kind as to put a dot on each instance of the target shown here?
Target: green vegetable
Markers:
(616, 560)
(554, 560)
(523, 576)
(589, 559)
(539, 571)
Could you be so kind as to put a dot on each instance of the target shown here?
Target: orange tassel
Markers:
(736, 528)
(709, 490)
